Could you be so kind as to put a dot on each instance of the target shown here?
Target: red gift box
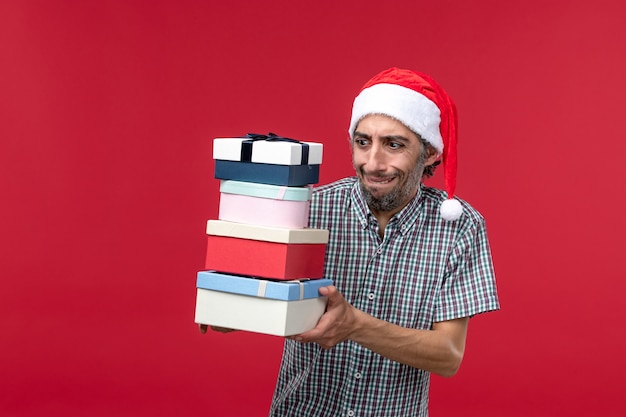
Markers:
(265, 259)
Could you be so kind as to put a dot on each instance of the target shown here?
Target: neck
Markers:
(383, 218)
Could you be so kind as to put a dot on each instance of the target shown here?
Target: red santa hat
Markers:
(419, 103)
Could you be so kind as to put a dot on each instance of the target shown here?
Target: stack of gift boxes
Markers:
(264, 266)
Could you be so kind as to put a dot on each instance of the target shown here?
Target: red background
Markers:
(107, 111)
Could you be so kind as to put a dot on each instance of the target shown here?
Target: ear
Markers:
(432, 159)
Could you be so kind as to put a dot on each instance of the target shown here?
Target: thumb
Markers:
(330, 292)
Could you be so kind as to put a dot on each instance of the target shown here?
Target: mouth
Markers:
(379, 181)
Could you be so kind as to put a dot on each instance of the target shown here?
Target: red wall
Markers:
(107, 111)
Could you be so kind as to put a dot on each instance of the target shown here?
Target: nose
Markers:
(376, 159)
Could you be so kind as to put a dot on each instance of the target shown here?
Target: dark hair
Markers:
(425, 152)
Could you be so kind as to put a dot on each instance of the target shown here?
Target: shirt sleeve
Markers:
(469, 287)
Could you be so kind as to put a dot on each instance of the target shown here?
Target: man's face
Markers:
(386, 157)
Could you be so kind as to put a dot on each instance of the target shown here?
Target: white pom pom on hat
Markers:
(450, 209)
(417, 101)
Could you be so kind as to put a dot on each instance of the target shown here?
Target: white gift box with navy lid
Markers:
(267, 159)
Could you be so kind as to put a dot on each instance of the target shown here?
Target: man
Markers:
(411, 264)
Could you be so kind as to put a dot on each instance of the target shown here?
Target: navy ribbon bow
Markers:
(246, 146)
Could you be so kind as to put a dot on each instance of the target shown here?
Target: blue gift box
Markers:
(287, 175)
(283, 290)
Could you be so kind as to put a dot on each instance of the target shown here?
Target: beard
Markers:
(399, 195)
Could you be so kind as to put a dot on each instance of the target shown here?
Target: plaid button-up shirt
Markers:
(424, 270)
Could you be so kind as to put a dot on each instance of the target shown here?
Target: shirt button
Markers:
(371, 296)
(350, 413)
(357, 375)
(379, 251)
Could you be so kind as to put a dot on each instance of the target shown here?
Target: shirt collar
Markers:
(404, 219)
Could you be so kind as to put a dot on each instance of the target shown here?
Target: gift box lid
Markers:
(267, 152)
(288, 175)
(266, 233)
(278, 290)
(276, 192)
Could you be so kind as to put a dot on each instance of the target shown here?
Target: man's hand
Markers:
(203, 328)
(335, 325)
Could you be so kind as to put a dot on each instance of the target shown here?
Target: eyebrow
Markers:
(398, 138)
(361, 135)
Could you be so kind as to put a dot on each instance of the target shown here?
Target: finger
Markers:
(222, 329)
(317, 332)
(309, 335)
(306, 337)
(334, 296)
(202, 328)
(326, 291)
